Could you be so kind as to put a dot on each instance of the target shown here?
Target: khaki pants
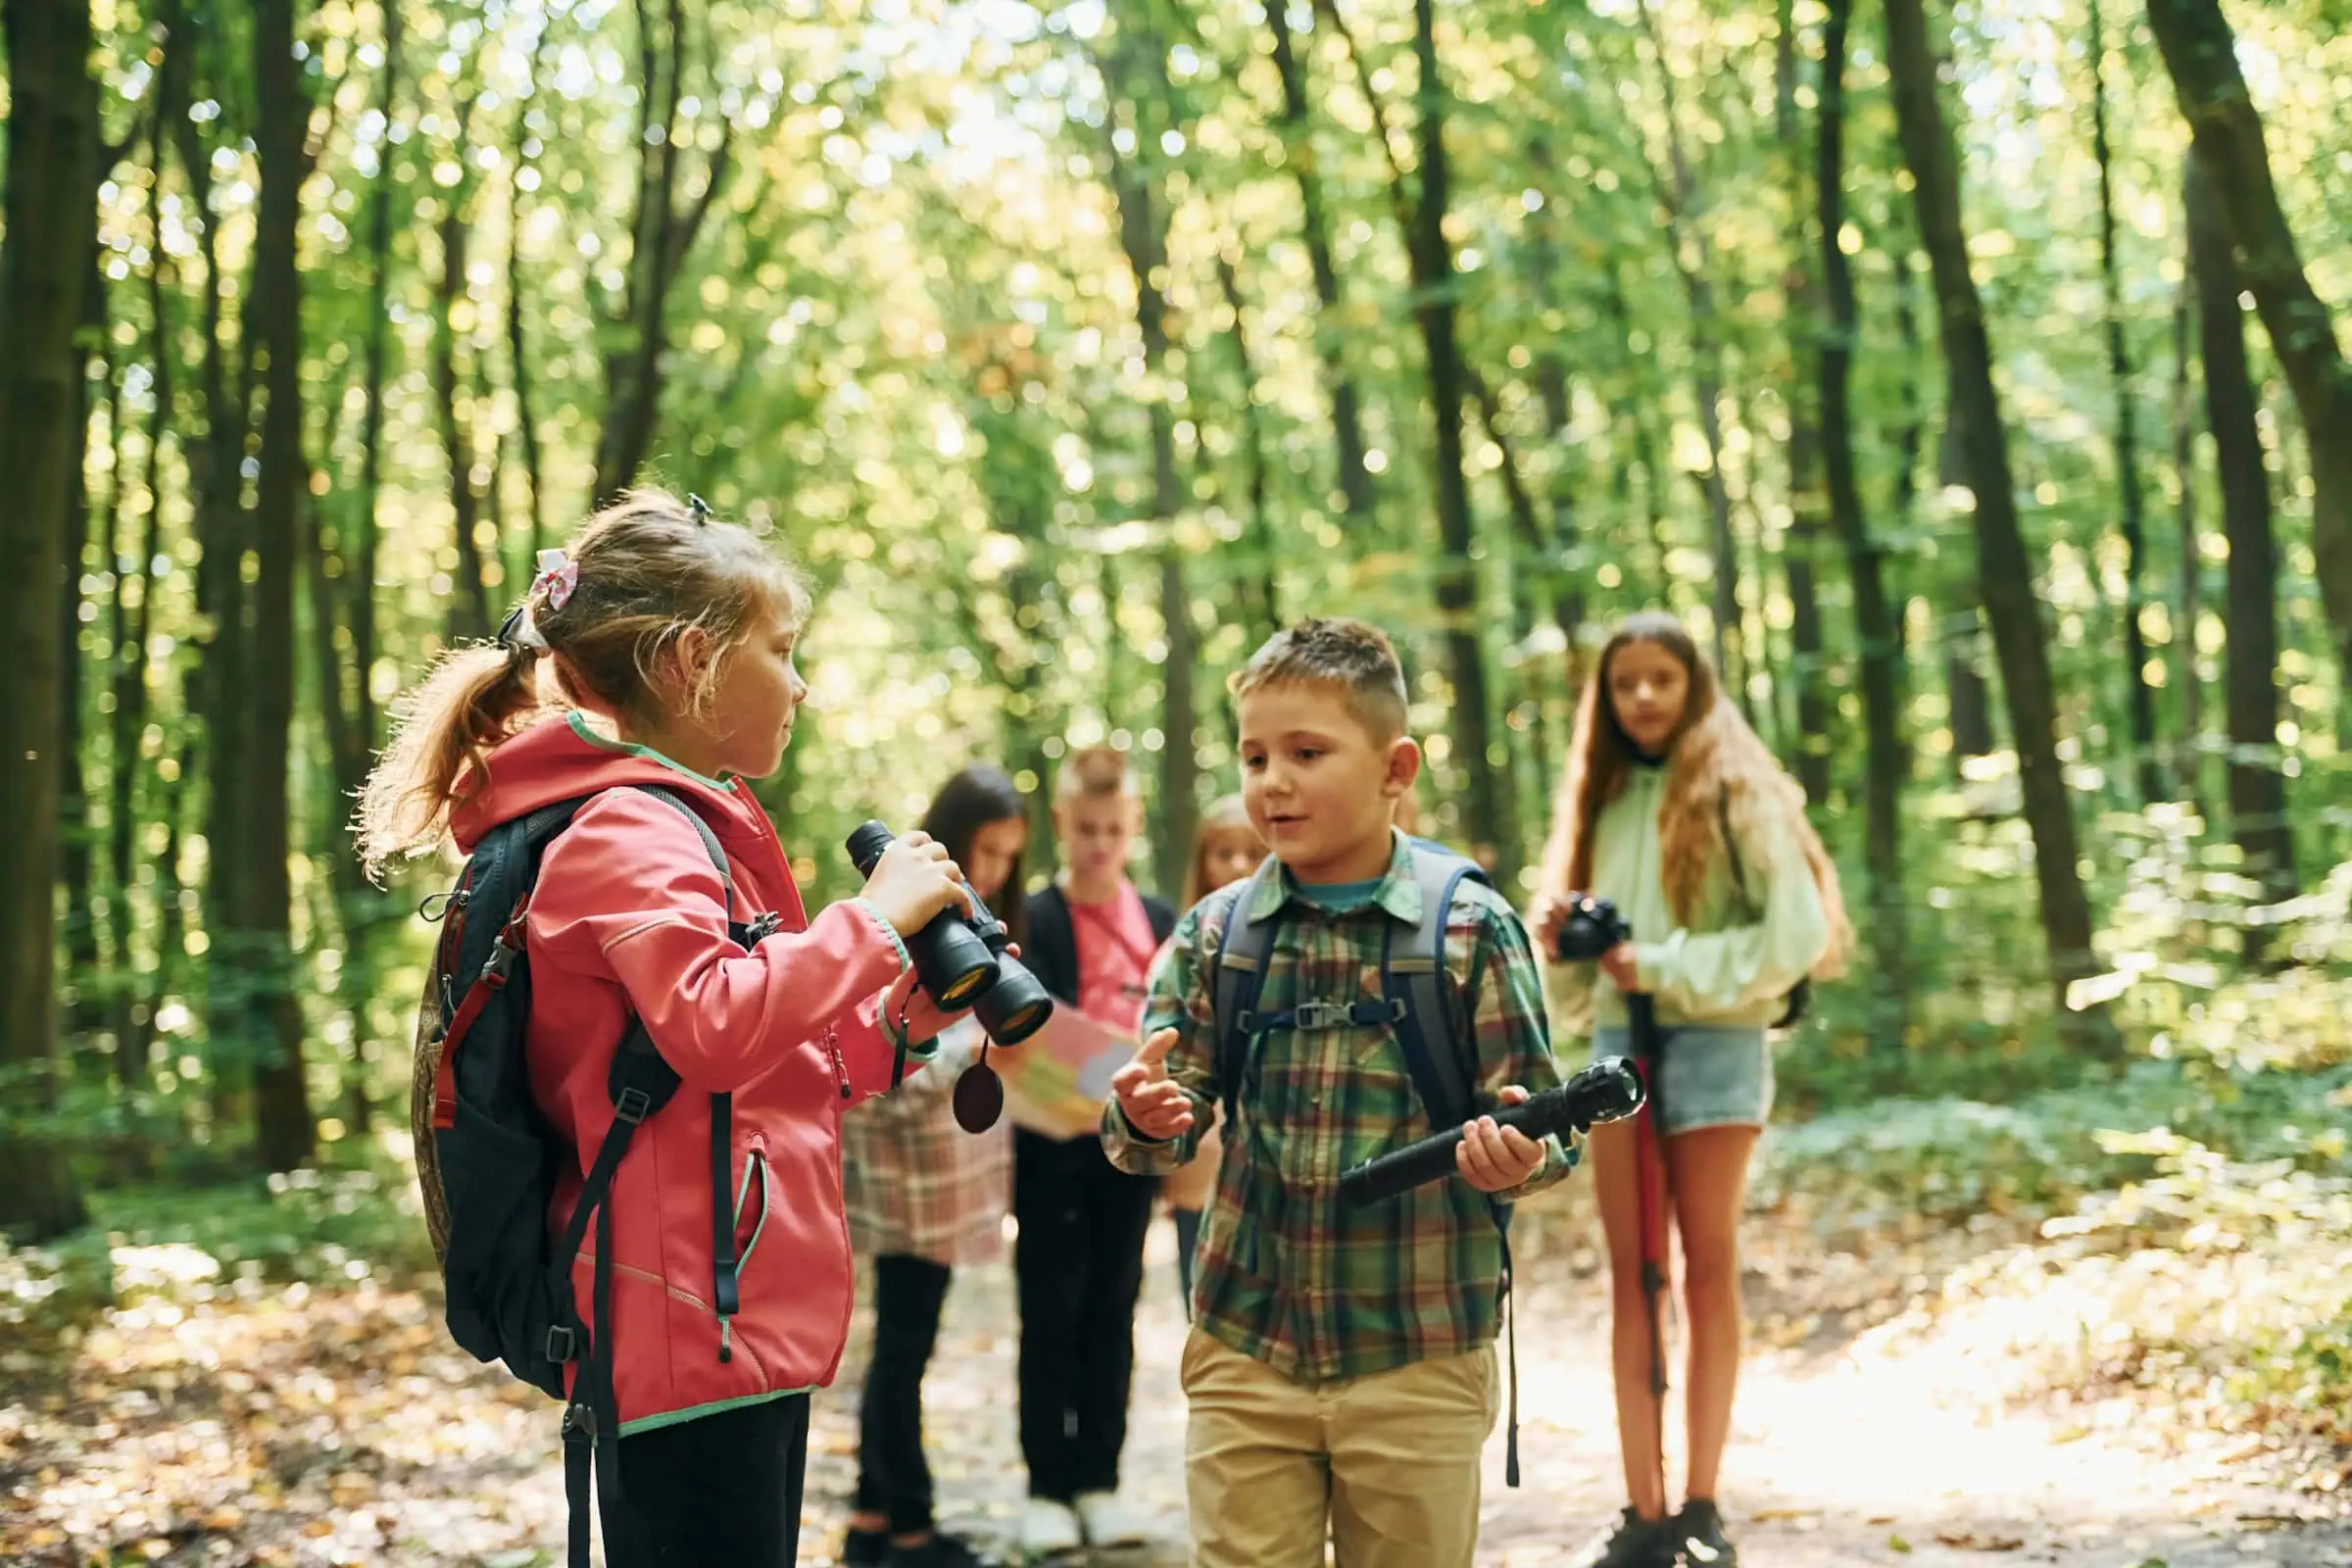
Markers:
(1386, 1466)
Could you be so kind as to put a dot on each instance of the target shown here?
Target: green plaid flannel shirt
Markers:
(1285, 1273)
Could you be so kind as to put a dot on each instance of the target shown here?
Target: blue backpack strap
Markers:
(1413, 979)
(1242, 953)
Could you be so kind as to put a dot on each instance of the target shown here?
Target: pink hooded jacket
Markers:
(629, 915)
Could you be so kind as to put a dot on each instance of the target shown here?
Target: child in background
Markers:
(670, 638)
(926, 1198)
(1671, 807)
(1340, 1370)
(1225, 849)
(1079, 1261)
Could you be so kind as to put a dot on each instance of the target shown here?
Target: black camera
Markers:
(1608, 1091)
(960, 960)
(1593, 928)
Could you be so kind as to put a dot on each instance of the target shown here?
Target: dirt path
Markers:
(343, 1429)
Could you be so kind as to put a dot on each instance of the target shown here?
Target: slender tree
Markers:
(1874, 632)
(2202, 53)
(2004, 568)
(2258, 820)
(50, 200)
(2147, 763)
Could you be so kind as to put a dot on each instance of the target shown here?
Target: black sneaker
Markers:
(1636, 1543)
(940, 1551)
(865, 1549)
(1698, 1537)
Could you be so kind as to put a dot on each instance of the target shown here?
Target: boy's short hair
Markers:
(1092, 771)
(1353, 656)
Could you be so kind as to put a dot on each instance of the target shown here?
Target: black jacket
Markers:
(1051, 946)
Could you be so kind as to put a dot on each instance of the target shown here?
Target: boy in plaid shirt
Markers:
(1341, 1372)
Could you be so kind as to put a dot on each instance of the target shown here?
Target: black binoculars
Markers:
(1606, 1091)
(960, 959)
(1593, 928)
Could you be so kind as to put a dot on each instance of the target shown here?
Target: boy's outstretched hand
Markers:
(1495, 1159)
(1153, 1104)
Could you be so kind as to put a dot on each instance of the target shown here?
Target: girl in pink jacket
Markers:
(660, 652)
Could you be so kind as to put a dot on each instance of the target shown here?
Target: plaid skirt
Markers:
(916, 1183)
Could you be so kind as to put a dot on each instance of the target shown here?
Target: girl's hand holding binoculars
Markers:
(913, 881)
(907, 1005)
(1618, 964)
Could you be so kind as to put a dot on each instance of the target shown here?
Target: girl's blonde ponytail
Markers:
(475, 697)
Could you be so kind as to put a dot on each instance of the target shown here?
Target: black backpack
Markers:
(487, 1160)
(1415, 1003)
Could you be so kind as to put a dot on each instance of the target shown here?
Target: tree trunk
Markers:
(1493, 825)
(283, 1133)
(2189, 764)
(51, 203)
(661, 234)
(1968, 695)
(1296, 127)
(469, 600)
(76, 928)
(1137, 72)
(361, 568)
(134, 1013)
(1911, 430)
(2200, 51)
(1262, 586)
(1636, 407)
(1686, 240)
(215, 676)
(1874, 632)
(1560, 576)
(125, 689)
(2258, 818)
(2004, 568)
(1492, 808)
(1807, 501)
(2147, 765)
(518, 358)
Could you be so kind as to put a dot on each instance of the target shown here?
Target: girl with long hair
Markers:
(1672, 808)
(926, 1199)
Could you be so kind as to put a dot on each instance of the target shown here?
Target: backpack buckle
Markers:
(579, 1424)
(561, 1345)
(500, 963)
(1319, 1015)
(631, 1105)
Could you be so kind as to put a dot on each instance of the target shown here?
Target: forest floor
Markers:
(1875, 1425)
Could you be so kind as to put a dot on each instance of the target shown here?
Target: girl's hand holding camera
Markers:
(1153, 1104)
(1495, 1159)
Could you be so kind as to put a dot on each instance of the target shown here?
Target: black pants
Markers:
(893, 1477)
(720, 1488)
(1080, 1265)
(1188, 1238)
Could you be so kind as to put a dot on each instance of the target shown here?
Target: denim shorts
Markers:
(1711, 1076)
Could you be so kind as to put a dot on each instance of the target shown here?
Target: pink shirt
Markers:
(1114, 956)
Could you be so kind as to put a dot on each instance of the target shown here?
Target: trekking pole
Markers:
(1649, 1172)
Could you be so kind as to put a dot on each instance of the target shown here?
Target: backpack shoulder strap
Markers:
(1241, 952)
(1413, 979)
